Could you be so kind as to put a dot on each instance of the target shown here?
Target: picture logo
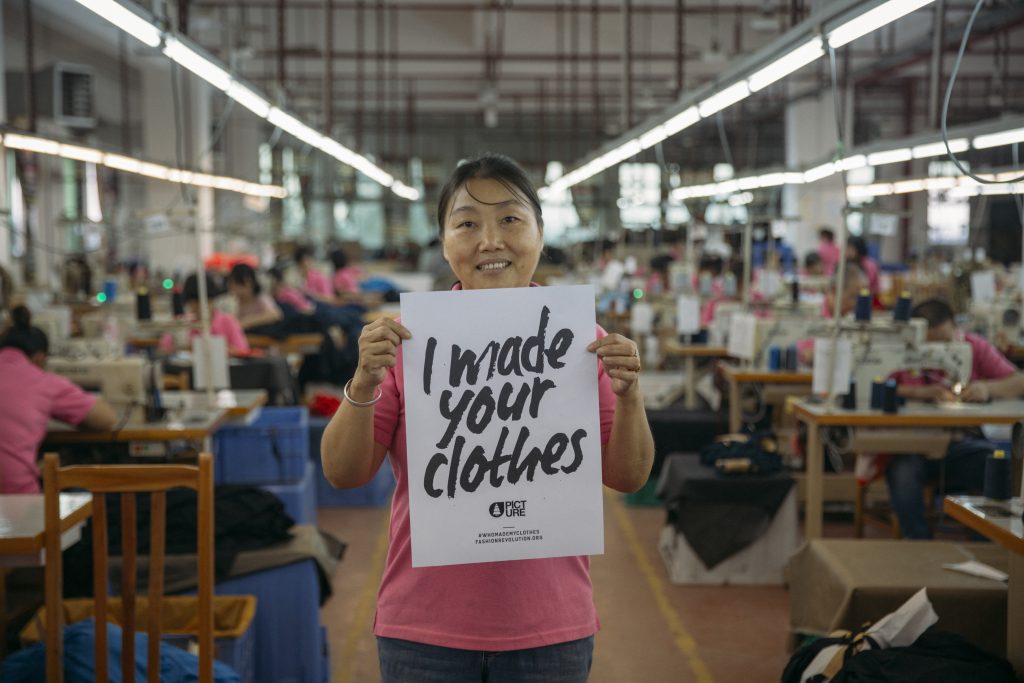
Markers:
(508, 508)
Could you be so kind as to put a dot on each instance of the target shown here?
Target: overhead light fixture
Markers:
(1006, 137)
(851, 163)
(771, 180)
(872, 20)
(31, 143)
(197, 63)
(294, 127)
(787, 64)
(748, 183)
(682, 121)
(122, 163)
(935, 149)
(126, 20)
(890, 156)
(819, 172)
(248, 99)
(652, 137)
(154, 170)
(724, 98)
(905, 186)
(86, 154)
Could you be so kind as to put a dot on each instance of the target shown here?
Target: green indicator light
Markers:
(101, 297)
(168, 283)
(638, 293)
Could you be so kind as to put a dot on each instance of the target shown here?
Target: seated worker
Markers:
(828, 251)
(255, 307)
(992, 377)
(290, 300)
(30, 397)
(855, 282)
(221, 324)
(857, 251)
(346, 277)
(314, 283)
(813, 265)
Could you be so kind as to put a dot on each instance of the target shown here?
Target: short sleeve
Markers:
(227, 326)
(988, 363)
(68, 401)
(387, 412)
(605, 396)
(268, 305)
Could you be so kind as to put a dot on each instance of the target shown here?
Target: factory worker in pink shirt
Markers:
(828, 251)
(30, 397)
(221, 324)
(446, 623)
(314, 283)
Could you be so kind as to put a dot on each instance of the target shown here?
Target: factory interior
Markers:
(741, 281)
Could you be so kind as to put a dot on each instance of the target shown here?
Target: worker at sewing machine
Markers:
(221, 324)
(992, 377)
(30, 397)
(854, 284)
(255, 307)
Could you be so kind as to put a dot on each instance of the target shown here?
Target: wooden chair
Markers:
(128, 480)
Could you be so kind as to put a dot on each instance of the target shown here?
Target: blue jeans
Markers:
(963, 469)
(403, 661)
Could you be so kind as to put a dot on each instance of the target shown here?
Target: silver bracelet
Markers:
(362, 404)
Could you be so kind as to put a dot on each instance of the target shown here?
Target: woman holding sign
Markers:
(496, 621)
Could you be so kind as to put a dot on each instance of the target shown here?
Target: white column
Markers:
(202, 95)
(5, 205)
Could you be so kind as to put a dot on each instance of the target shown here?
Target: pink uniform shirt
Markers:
(296, 299)
(29, 398)
(259, 305)
(490, 606)
(829, 253)
(227, 326)
(346, 280)
(317, 284)
(986, 364)
(870, 267)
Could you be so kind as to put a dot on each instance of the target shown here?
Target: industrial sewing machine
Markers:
(129, 384)
(999, 321)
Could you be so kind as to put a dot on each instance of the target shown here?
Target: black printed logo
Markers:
(497, 509)
(508, 508)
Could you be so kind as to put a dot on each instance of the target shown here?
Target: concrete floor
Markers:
(651, 631)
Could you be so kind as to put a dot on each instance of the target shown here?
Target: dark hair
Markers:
(21, 335)
(302, 253)
(935, 311)
(859, 245)
(488, 166)
(827, 233)
(190, 292)
(244, 274)
(276, 274)
(339, 259)
(812, 259)
(711, 263)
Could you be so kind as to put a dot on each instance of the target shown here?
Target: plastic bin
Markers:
(233, 617)
(376, 493)
(299, 497)
(273, 449)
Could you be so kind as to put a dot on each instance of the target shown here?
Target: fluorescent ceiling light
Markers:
(748, 183)
(771, 180)
(653, 137)
(724, 98)
(851, 163)
(122, 163)
(935, 149)
(819, 172)
(905, 186)
(29, 143)
(197, 64)
(404, 191)
(126, 20)
(154, 170)
(787, 64)
(248, 99)
(873, 20)
(794, 178)
(890, 156)
(681, 121)
(1006, 137)
(86, 154)
(939, 183)
(294, 127)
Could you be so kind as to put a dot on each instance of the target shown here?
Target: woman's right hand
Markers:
(378, 348)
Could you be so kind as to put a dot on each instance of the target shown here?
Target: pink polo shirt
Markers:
(29, 398)
(296, 299)
(227, 326)
(347, 280)
(317, 284)
(490, 606)
(829, 253)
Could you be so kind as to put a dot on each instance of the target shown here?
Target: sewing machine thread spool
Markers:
(862, 312)
(774, 357)
(794, 291)
(792, 358)
(143, 306)
(877, 393)
(901, 313)
(177, 304)
(890, 399)
(110, 291)
(850, 397)
(997, 476)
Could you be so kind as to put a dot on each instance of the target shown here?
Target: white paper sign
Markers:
(742, 329)
(983, 286)
(641, 319)
(219, 354)
(687, 315)
(843, 368)
(503, 430)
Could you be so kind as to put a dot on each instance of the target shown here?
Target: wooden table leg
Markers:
(1015, 614)
(735, 409)
(690, 364)
(814, 476)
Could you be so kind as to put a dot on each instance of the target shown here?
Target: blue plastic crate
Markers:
(376, 493)
(325, 657)
(274, 448)
(287, 631)
(299, 497)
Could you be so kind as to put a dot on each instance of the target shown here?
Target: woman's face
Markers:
(241, 290)
(491, 238)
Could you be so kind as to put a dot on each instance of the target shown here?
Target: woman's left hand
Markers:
(621, 359)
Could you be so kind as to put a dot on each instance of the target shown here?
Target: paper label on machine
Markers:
(503, 428)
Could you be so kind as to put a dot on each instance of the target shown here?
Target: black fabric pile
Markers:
(245, 518)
